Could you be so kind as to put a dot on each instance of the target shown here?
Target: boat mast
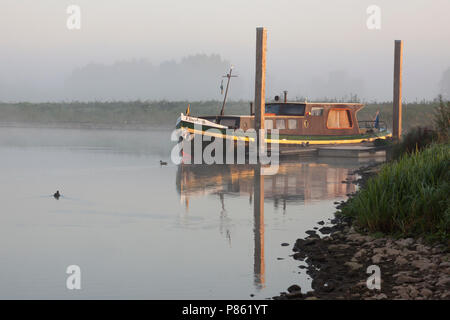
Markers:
(229, 76)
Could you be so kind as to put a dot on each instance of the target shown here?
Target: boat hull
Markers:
(283, 140)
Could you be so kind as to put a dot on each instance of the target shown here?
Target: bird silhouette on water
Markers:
(162, 163)
(56, 195)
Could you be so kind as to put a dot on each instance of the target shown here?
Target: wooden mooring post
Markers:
(259, 107)
(397, 103)
(260, 84)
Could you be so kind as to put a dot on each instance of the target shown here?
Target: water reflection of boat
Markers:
(294, 183)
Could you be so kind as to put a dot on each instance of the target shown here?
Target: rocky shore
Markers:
(337, 260)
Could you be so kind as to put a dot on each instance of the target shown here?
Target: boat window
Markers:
(292, 124)
(229, 122)
(339, 119)
(281, 124)
(316, 111)
(273, 108)
(287, 109)
(268, 124)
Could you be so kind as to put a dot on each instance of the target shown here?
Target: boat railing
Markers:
(370, 125)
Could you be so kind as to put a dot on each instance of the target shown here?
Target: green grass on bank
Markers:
(409, 197)
(165, 113)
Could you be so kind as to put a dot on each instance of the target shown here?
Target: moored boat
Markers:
(298, 124)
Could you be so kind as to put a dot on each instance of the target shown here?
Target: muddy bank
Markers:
(337, 260)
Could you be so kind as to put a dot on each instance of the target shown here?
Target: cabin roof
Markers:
(351, 104)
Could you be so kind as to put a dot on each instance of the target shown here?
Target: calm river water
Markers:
(139, 230)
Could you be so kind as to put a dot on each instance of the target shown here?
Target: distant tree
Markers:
(445, 84)
(442, 119)
(195, 77)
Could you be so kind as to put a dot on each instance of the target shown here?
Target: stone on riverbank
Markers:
(337, 264)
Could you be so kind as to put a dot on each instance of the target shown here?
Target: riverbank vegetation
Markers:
(408, 197)
(114, 114)
(410, 194)
(165, 113)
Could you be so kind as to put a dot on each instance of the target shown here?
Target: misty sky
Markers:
(316, 48)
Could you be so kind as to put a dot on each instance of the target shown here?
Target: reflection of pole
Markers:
(223, 217)
(258, 206)
(182, 183)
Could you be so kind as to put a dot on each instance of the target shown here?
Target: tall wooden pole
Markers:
(260, 109)
(260, 81)
(397, 112)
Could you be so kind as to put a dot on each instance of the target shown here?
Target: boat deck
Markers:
(341, 151)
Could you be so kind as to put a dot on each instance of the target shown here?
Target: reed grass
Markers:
(415, 140)
(409, 197)
(165, 113)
